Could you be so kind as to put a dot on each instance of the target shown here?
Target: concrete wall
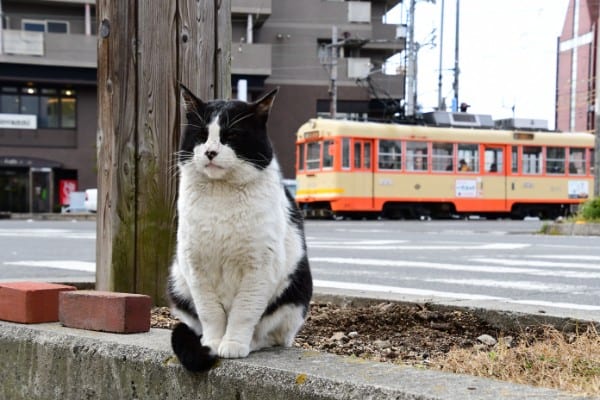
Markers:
(47, 361)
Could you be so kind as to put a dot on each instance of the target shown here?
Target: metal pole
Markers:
(1, 30)
(440, 99)
(334, 61)
(409, 109)
(596, 165)
(456, 69)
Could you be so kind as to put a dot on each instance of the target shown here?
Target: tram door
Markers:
(493, 182)
(362, 176)
(41, 190)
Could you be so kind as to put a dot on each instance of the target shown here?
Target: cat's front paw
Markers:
(231, 349)
(214, 344)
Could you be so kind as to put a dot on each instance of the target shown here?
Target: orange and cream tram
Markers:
(349, 168)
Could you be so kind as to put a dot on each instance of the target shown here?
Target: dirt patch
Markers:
(412, 334)
(450, 340)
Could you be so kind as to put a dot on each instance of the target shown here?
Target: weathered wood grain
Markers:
(145, 48)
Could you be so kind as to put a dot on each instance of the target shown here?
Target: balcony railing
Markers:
(57, 49)
(251, 59)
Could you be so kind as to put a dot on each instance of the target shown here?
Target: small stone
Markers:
(338, 336)
(382, 344)
(509, 341)
(487, 340)
(353, 335)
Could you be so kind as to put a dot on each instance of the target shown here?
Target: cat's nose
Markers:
(210, 154)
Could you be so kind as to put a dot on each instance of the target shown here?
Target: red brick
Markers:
(30, 302)
(105, 311)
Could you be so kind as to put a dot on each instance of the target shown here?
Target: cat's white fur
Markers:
(235, 250)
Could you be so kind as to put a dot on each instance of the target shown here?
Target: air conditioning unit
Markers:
(358, 68)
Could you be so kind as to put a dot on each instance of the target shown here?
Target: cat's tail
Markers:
(190, 352)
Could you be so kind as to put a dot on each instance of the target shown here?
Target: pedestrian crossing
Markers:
(507, 272)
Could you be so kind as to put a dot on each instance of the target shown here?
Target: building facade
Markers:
(313, 50)
(48, 118)
(576, 75)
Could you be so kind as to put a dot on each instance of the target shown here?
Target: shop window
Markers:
(390, 154)
(55, 108)
(41, 25)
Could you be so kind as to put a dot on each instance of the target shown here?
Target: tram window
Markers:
(367, 154)
(390, 154)
(514, 157)
(313, 156)
(494, 158)
(532, 160)
(470, 154)
(442, 156)
(416, 156)
(576, 161)
(555, 160)
(592, 165)
(301, 157)
(345, 153)
(357, 155)
(327, 154)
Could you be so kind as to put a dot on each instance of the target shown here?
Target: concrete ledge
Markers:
(574, 228)
(48, 361)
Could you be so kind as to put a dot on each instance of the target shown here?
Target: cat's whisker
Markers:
(239, 119)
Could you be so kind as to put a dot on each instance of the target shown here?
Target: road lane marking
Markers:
(48, 233)
(535, 263)
(401, 247)
(456, 267)
(451, 295)
(67, 264)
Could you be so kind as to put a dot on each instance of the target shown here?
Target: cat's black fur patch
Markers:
(246, 135)
(190, 352)
(182, 303)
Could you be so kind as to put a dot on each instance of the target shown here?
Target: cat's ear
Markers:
(263, 105)
(190, 103)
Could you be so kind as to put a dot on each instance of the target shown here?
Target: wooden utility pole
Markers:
(144, 48)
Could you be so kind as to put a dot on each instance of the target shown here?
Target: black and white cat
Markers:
(240, 280)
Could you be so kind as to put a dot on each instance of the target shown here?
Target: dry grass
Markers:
(569, 362)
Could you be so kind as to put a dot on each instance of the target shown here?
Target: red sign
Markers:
(65, 187)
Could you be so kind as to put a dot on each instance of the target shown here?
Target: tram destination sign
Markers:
(18, 121)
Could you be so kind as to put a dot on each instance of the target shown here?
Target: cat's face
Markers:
(226, 139)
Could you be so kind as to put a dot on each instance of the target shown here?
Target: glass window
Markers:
(357, 155)
(57, 26)
(67, 112)
(54, 108)
(468, 158)
(9, 103)
(416, 156)
(514, 159)
(442, 155)
(532, 160)
(313, 156)
(390, 154)
(555, 160)
(493, 158)
(367, 153)
(301, 157)
(30, 105)
(328, 154)
(345, 153)
(49, 112)
(33, 25)
(592, 162)
(576, 161)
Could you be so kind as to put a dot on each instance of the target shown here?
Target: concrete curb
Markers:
(48, 361)
(574, 228)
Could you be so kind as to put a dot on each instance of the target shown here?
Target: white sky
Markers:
(507, 55)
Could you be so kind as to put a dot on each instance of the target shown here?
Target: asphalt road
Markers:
(499, 262)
